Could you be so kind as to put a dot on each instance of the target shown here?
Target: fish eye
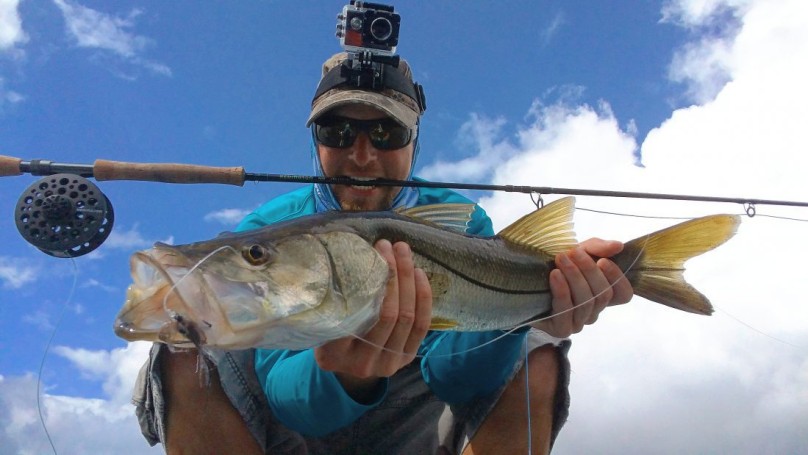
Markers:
(255, 254)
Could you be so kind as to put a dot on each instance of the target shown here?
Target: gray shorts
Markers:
(411, 419)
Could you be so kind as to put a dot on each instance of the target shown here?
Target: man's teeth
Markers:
(364, 179)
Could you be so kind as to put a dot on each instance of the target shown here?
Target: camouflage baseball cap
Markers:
(400, 106)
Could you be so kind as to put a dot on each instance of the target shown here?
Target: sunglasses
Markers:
(341, 132)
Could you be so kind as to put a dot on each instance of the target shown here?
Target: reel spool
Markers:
(64, 215)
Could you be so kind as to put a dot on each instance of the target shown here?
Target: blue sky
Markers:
(709, 95)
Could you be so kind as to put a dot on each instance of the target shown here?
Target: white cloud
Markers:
(648, 379)
(703, 67)
(40, 319)
(228, 217)
(8, 97)
(117, 368)
(706, 63)
(478, 133)
(77, 425)
(11, 32)
(91, 28)
(127, 240)
(697, 13)
(17, 272)
(549, 32)
(96, 30)
(12, 36)
(13, 97)
(93, 283)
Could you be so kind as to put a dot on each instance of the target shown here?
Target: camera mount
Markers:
(367, 70)
(369, 34)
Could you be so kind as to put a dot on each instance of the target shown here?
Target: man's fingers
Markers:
(599, 285)
(388, 314)
(601, 248)
(423, 312)
(622, 290)
(405, 318)
(560, 322)
(579, 289)
(406, 287)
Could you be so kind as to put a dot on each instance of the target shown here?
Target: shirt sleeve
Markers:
(304, 397)
(461, 366)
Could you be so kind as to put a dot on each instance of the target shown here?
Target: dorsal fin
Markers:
(453, 217)
(548, 229)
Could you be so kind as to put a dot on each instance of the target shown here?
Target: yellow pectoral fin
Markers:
(442, 324)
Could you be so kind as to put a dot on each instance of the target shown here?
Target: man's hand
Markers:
(393, 342)
(582, 286)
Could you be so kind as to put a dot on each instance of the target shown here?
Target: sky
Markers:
(702, 97)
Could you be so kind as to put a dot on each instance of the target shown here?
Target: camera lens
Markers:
(381, 29)
(356, 23)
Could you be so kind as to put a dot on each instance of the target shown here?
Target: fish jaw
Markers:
(205, 293)
(176, 299)
(154, 301)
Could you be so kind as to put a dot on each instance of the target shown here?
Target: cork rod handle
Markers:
(167, 172)
(9, 166)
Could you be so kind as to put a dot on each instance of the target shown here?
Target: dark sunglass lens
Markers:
(400, 136)
(379, 136)
(385, 134)
(335, 133)
(389, 135)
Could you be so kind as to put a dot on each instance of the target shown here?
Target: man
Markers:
(400, 388)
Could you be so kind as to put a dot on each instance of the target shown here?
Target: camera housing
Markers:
(369, 34)
(368, 27)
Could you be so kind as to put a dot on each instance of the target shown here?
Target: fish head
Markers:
(224, 292)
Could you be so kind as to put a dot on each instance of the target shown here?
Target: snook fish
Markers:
(300, 283)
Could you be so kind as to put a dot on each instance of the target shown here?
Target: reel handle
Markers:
(9, 166)
(167, 172)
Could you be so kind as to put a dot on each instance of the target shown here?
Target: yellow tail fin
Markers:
(654, 264)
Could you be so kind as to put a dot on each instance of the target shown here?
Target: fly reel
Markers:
(64, 215)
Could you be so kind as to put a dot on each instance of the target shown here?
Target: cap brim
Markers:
(399, 112)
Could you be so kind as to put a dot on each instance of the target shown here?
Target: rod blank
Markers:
(189, 173)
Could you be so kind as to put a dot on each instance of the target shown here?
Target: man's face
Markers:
(362, 160)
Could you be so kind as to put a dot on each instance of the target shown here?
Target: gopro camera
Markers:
(369, 34)
(368, 27)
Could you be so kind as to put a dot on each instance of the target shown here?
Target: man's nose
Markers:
(362, 151)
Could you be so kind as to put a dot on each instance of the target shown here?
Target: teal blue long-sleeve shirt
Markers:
(453, 364)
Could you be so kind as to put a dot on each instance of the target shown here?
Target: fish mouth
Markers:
(157, 298)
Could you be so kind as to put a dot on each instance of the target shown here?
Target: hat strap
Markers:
(392, 79)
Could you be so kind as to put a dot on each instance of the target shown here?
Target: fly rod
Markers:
(104, 170)
(65, 215)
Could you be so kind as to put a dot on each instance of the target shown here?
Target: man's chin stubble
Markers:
(362, 205)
